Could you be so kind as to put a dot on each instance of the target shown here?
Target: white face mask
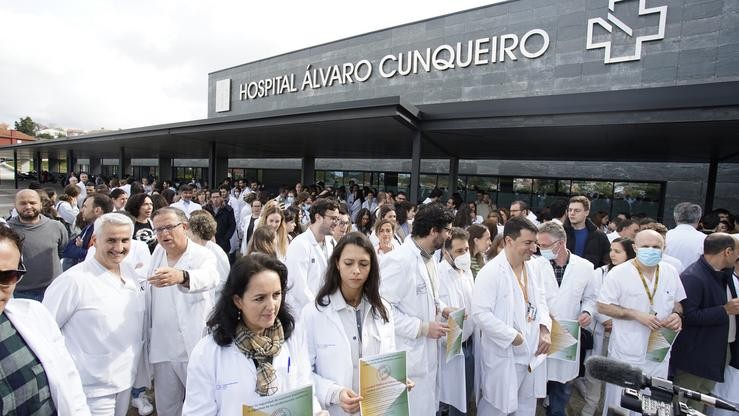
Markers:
(463, 262)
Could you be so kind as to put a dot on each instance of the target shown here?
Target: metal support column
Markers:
(453, 174)
(415, 167)
(711, 185)
(212, 166)
(124, 164)
(308, 170)
(15, 167)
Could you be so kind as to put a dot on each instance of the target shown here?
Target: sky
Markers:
(116, 65)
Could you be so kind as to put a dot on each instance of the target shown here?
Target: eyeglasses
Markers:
(10, 278)
(333, 218)
(545, 247)
(167, 228)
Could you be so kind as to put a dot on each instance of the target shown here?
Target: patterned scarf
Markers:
(262, 348)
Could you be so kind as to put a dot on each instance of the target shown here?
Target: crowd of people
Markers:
(214, 299)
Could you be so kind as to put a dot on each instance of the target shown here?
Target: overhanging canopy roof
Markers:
(693, 123)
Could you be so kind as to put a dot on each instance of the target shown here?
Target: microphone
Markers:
(625, 375)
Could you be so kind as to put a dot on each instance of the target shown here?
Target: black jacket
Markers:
(700, 349)
(226, 225)
(597, 246)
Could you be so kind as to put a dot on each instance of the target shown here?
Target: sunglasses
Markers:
(12, 277)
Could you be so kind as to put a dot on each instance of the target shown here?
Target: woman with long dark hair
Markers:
(253, 349)
(348, 321)
(141, 206)
(480, 243)
(363, 222)
(622, 250)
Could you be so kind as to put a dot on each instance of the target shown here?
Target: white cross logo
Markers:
(614, 21)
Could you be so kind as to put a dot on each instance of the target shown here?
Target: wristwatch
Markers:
(185, 278)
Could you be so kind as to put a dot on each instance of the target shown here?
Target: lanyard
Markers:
(525, 285)
(644, 282)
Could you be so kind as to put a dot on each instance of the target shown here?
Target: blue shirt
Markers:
(581, 236)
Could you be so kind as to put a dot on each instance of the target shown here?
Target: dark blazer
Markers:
(597, 245)
(700, 349)
(226, 225)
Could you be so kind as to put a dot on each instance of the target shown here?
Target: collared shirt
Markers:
(352, 320)
(24, 387)
(430, 263)
(559, 271)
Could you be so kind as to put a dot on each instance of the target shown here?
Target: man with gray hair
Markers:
(182, 275)
(571, 295)
(684, 241)
(99, 307)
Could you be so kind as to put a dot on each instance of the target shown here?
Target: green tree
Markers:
(26, 125)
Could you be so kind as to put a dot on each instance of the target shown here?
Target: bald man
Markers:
(641, 295)
(43, 240)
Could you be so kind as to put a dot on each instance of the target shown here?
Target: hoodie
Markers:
(42, 243)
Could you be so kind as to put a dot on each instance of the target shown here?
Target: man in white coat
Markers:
(185, 203)
(641, 295)
(685, 242)
(455, 289)
(38, 372)
(308, 254)
(99, 307)
(410, 284)
(510, 310)
(181, 277)
(570, 292)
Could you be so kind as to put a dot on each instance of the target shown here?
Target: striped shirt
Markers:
(24, 387)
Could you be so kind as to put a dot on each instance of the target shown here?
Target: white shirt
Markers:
(101, 316)
(685, 243)
(167, 342)
(186, 207)
(622, 286)
(224, 267)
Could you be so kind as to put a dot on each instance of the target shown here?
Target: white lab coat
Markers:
(455, 290)
(329, 350)
(102, 321)
(499, 313)
(186, 208)
(223, 265)
(244, 225)
(306, 266)
(220, 379)
(599, 331)
(577, 294)
(685, 243)
(406, 286)
(38, 328)
(194, 304)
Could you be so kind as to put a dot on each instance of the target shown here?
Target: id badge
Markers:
(530, 312)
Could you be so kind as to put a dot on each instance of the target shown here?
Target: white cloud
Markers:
(93, 64)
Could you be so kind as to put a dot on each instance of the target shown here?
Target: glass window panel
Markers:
(404, 182)
(357, 177)
(545, 192)
(334, 178)
(637, 198)
(599, 193)
(514, 189)
(428, 183)
(442, 181)
(320, 176)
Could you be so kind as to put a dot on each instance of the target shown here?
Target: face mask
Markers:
(463, 262)
(548, 254)
(649, 256)
(410, 221)
(289, 200)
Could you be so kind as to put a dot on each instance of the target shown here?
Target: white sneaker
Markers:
(143, 405)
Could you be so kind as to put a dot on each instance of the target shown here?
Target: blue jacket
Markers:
(700, 349)
(78, 254)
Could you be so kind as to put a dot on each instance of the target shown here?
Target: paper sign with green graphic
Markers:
(565, 340)
(660, 342)
(382, 385)
(454, 336)
(293, 403)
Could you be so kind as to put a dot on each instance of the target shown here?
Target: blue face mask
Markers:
(649, 256)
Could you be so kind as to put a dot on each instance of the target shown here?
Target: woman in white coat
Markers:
(253, 350)
(348, 321)
(622, 250)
